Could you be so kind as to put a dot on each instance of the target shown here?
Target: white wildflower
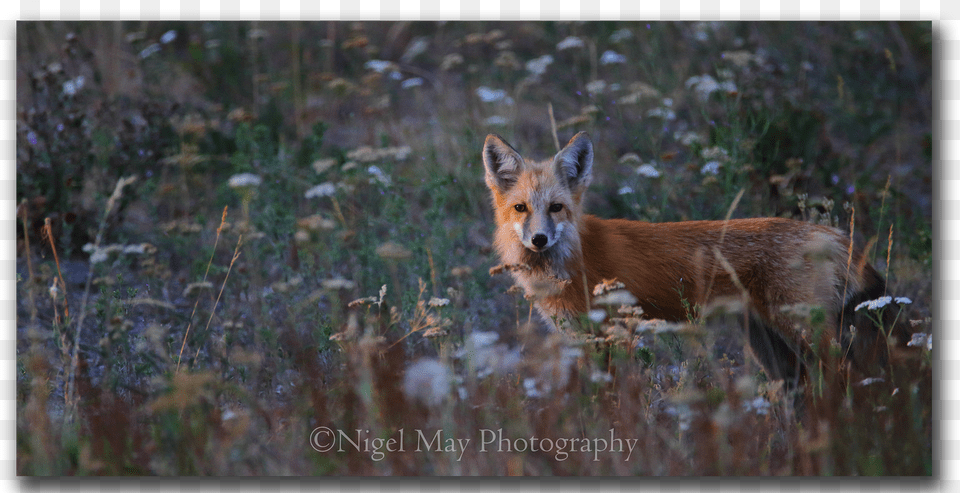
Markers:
(483, 339)
(621, 35)
(596, 86)
(610, 57)
(874, 304)
(600, 377)
(665, 113)
(412, 82)
(597, 316)
(711, 168)
(149, 51)
(758, 405)
(438, 302)
(378, 66)
(416, 48)
(244, 180)
(570, 42)
(378, 175)
(624, 191)
(488, 95)
(705, 85)
(337, 284)
(530, 388)
(322, 190)
(428, 381)
(71, 86)
(902, 300)
(617, 298)
(648, 170)
(539, 65)
(630, 157)
(322, 165)
(168, 36)
(921, 340)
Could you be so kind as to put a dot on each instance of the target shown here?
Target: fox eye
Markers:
(556, 207)
(520, 207)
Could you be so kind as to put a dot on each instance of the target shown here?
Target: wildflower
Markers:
(417, 47)
(427, 380)
(628, 158)
(378, 175)
(393, 251)
(624, 190)
(149, 51)
(902, 300)
(71, 86)
(322, 190)
(610, 57)
(337, 284)
(759, 405)
(596, 86)
(569, 43)
(620, 35)
(479, 339)
(687, 138)
(507, 60)
(705, 85)
(539, 65)
(711, 168)
(322, 165)
(168, 36)
(920, 339)
(596, 316)
(488, 95)
(433, 332)
(874, 304)
(740, 58)
(648, 170)
(412, 82)
(600, 377)
(619, 297)
(435, 302)
(665, 113)
(243, 180)
(450, 61)
(530, 388)
(378, 66)
(606, 286)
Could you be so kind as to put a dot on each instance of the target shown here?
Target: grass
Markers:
(306, 246)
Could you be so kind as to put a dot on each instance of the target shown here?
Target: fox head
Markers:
(537, 204)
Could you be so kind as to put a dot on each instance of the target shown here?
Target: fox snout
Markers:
(539, 240)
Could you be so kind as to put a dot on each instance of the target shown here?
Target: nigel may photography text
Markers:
(324, 439)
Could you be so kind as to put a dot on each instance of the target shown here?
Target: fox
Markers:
(558, 252)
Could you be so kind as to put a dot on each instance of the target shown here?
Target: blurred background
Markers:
(347, 155)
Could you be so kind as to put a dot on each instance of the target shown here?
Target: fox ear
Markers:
(502, 162)
(574, 163)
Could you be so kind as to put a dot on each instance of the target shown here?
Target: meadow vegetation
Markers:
(233, 235)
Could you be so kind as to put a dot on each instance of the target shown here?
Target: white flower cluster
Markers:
(882, 302)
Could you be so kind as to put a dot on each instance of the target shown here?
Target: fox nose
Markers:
(539, 240)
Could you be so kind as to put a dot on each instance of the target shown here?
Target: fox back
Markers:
(557, 254)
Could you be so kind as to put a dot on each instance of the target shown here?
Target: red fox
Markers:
(772, 263)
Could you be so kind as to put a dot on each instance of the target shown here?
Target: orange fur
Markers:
(771, 264)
